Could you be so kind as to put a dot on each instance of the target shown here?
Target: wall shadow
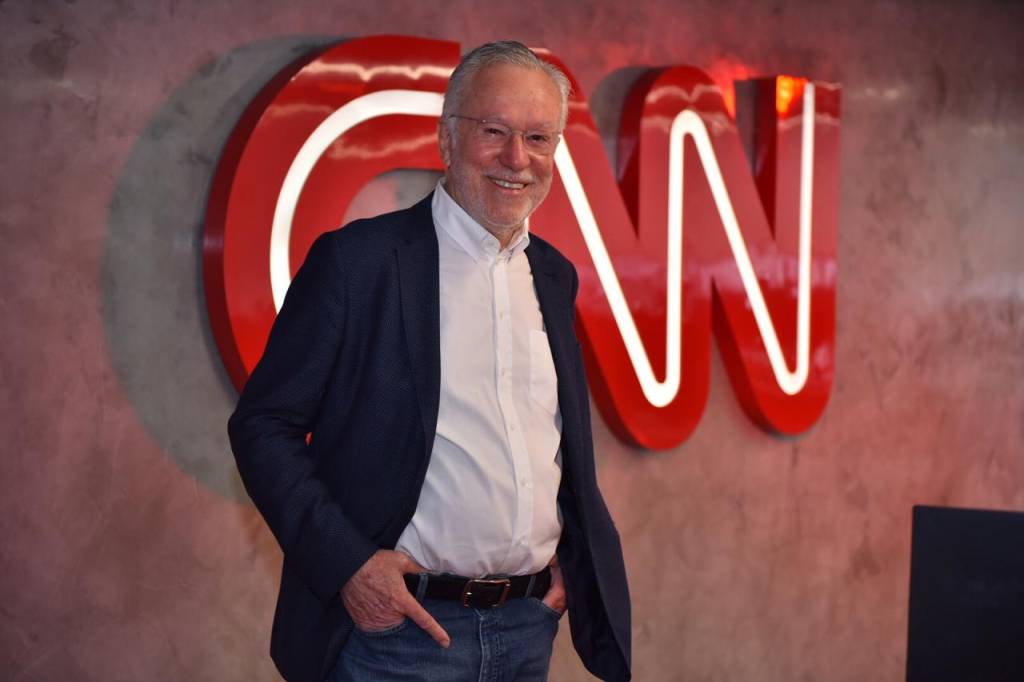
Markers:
(154, 308)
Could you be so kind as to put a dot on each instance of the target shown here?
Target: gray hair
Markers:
(491, 54)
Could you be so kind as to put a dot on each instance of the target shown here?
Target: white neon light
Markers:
(382, 103)
(686, 123)
(658, 393)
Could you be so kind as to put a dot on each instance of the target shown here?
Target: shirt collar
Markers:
(470, 235)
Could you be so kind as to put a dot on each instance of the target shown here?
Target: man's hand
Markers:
(376, 596)
(555, 597)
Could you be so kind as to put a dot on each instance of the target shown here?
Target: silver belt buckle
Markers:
(467, 591)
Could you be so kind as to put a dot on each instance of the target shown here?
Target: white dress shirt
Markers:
(488, 504)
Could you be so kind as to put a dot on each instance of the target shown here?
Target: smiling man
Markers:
(497, 174)
(444, 511)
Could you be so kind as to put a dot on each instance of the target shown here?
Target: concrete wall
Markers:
(128, 550)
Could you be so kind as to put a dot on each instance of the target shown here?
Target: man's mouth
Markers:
(507, 184)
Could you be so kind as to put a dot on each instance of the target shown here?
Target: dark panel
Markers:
(966, 596)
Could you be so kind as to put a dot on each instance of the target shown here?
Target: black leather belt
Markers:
(480, 593)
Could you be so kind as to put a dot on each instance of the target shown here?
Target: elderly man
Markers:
(417, 433)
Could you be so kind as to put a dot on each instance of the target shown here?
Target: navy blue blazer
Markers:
(354, 360)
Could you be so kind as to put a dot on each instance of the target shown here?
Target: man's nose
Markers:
(513, 153)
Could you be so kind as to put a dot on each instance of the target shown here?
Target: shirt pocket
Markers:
(543, 381)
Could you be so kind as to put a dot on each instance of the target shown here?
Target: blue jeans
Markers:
(508, 644)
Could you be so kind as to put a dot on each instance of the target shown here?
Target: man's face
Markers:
(501, 186)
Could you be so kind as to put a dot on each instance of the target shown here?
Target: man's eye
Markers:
(493, 132)
(538, 139)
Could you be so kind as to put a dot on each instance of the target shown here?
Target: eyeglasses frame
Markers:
(557, 136)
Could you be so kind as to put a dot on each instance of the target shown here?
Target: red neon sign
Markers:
(684, 242)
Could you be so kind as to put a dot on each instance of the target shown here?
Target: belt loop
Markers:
(529, 586)
(421, 589)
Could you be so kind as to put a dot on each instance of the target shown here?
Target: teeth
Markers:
(508, 185)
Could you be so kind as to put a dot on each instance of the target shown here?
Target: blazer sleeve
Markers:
(276, 411)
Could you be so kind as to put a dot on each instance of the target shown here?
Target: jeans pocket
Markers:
(390, 630)
(547, 609)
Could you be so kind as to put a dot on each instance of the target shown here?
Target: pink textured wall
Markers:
(128, 550)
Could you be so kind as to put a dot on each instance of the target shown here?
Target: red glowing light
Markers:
(787, 90)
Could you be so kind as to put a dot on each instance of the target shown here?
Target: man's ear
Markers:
(444, 142)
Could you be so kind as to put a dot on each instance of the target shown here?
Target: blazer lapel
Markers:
(421, 311)
(553, 293)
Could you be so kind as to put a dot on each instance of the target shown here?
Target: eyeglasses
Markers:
(495, 134)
